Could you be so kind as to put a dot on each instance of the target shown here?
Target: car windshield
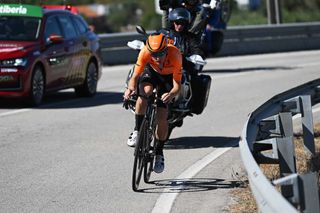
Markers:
(19, 28)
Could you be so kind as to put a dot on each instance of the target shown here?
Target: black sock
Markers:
(139, 119)
(159, 147)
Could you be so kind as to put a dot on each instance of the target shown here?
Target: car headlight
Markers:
(14, 62)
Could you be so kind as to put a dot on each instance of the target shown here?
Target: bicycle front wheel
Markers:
(149, 154)
(138, 161)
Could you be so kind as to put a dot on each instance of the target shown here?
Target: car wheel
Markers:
(37, 87)
(89, 86)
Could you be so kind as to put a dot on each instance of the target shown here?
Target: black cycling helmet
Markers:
(180, 15)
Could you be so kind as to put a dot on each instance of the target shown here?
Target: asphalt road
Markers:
(70, 155)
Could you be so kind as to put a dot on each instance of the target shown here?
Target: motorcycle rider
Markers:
(199, 14)
(187, 43)
(158, 65)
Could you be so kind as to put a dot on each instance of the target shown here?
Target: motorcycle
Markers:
(219, 13)
(194, 91)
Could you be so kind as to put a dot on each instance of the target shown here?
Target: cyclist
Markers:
(159, 66)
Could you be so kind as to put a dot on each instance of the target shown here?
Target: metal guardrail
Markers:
(237, 41)
(267, 138)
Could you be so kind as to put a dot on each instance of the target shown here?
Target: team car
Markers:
(44, 50)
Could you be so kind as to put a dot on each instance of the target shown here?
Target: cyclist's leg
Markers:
(140, 109)
(164, 86)
(145, 89)
(146, 85)
(161, 135)
(162, 127)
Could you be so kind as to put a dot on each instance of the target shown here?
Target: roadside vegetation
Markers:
(292, 11)
(243, 199)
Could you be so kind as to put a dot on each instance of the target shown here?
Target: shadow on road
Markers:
(67, 99)
(101, 98)
(199, 142)
(191, 185)
(248, 69)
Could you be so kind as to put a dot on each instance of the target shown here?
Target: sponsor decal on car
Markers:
(20, 10)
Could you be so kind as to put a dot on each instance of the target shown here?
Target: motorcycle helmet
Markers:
(181, 15)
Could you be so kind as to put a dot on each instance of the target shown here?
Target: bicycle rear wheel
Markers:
(138, 163)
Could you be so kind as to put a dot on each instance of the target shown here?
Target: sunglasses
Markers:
(159, 54)
(180, 22)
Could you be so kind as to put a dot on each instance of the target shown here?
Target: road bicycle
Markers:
(144, 153)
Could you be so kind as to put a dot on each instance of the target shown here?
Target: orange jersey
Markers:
(172, 63)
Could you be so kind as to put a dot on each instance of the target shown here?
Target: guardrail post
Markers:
(307, 124)
(286, 156)
(309, 193)
(287, 162)
(279, 126)
(304, 188)
(290, 183)
(302, 104)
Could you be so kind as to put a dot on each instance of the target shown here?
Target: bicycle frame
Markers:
(144, 155)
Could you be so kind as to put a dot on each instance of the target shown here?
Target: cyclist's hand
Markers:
(167, 97)
(128, 93)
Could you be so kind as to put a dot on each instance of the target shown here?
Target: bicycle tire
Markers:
(149, 153)
(138, 163)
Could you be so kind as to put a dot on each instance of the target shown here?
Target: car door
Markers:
(72, 47)
(83, 44)
(56, 55)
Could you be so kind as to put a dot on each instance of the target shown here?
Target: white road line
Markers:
(311, 64)
(167, 198)
(14, 112)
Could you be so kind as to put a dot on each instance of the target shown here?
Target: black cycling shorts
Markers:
(162, 83)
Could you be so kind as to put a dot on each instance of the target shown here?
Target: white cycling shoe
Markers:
(132, 138)
(159, 164)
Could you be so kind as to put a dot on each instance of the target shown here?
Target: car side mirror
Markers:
(55, 39)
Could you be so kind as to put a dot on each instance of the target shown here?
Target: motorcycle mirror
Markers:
(206, 6)
(135, 44)
(197, 60)
(141, 30)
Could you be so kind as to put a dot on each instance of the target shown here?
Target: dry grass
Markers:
(243, 199)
